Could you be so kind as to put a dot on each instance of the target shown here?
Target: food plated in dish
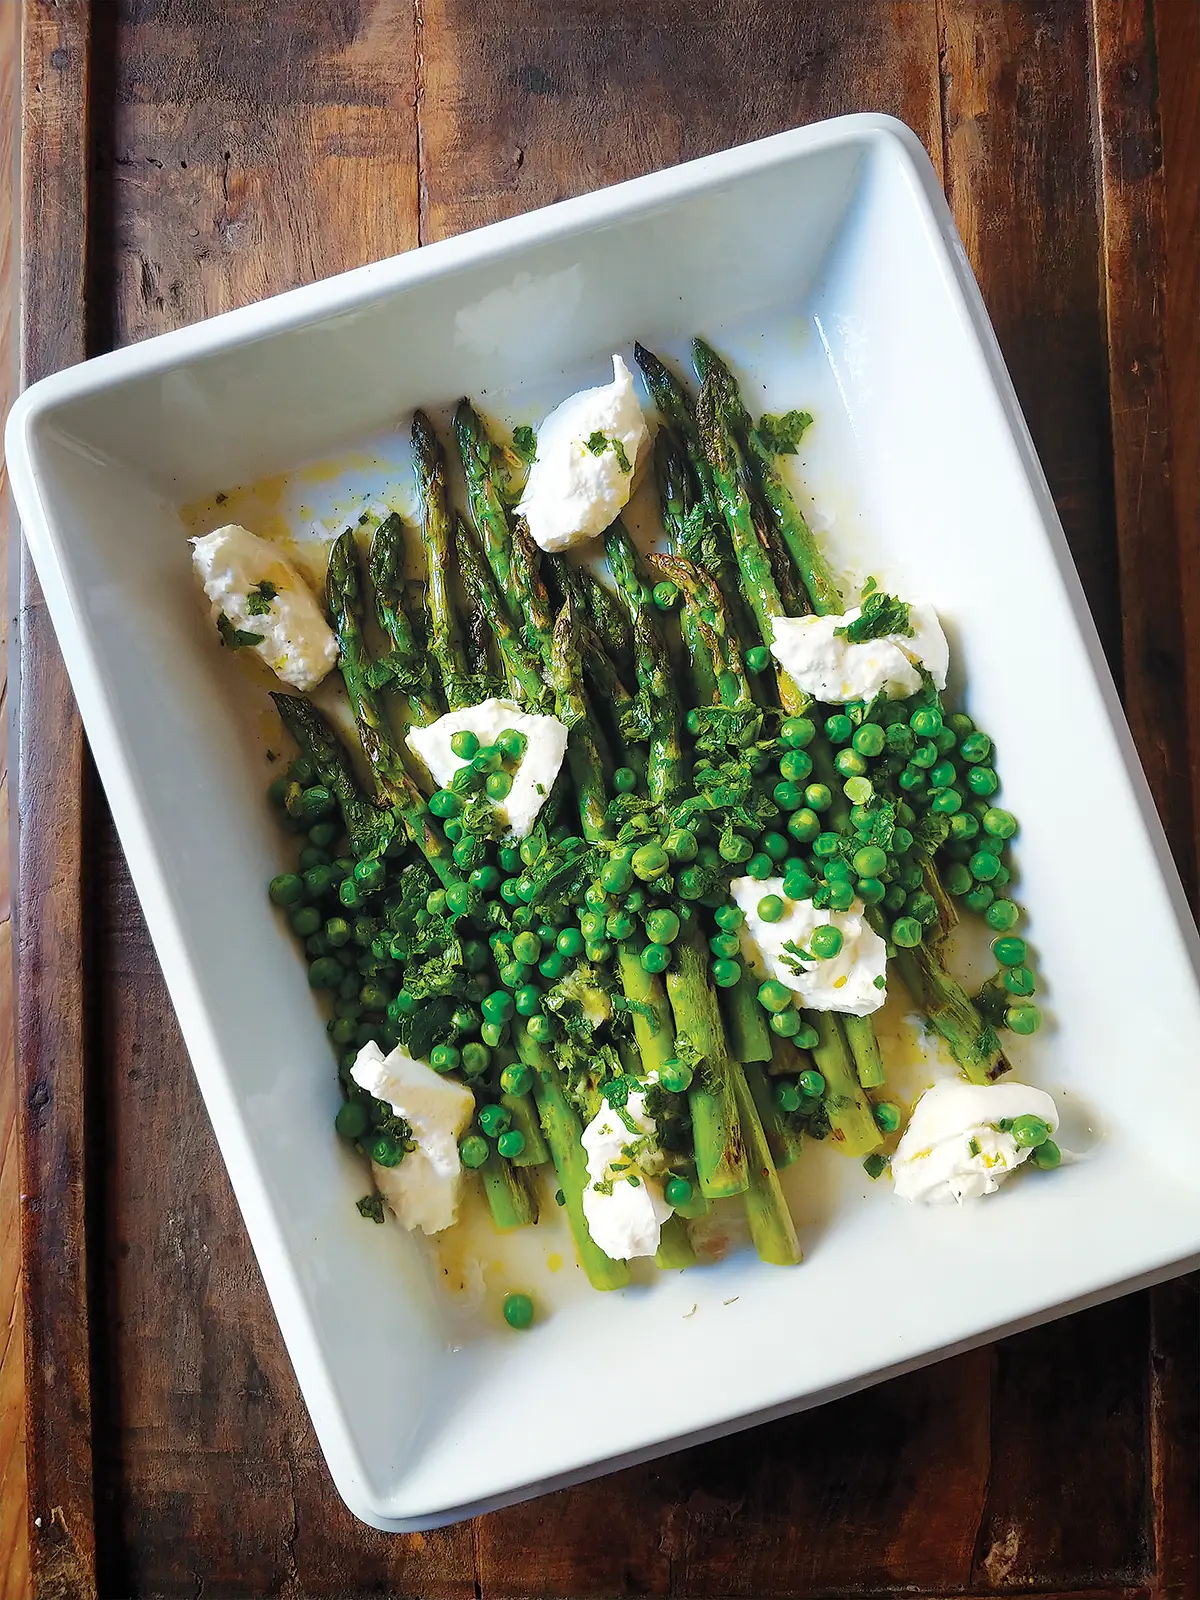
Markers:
(606, 890)
(824, 267)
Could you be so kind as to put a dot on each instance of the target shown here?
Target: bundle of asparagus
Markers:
(591, 982)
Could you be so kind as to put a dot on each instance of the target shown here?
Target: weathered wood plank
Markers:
(1150, 558)
(52, 782)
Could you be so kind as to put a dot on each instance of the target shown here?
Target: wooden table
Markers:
(186, 156)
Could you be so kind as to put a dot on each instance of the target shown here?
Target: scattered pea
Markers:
(758, 658)
(1002, 915)
(726, 973)
(656, 957)
(811, 1084)
(464, 744)
(675, 1076)
(887, 1116)
(677, 1191)
(906, 932)
(352, 1120)
(775, 996)
(1047, 1156)
(838, 728)
(518, 1310)
(869, 739)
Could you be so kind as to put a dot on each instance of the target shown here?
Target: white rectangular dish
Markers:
(825, 260)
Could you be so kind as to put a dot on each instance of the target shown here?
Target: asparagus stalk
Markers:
(572, 710)
(345, 602)
(675, 1249)
(445, 635)
(771, 1225)
(519, 663)
(850, 1115)
(509, 1201)
(487, 506)
(370, 828)
(782, 1141)
(787, 521)
(408, 667)
(529, 587)
(562, 1132)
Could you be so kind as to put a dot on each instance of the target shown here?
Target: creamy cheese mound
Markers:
(829, 667)
(627, 1221)
(854, 981)
(424, 1189)
(954, 1148)
(587, 450)
(533, 777)
(240, 571)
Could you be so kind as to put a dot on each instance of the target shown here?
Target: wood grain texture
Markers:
(1150, 560)
(1177, 30)
(242, 150)
(52, 780)
(14, 1499)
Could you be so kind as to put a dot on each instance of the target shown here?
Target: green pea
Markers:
(870, 891)
(663, 926)
(464, 744)
(984, 866)
(724, 945)
(887, 1116)
(795, 766)
(946, 802)
(445, 803)
(980, 897)
(618, 925)
(635, 902)
(850, 764)
(518, 1310)
(760, 866)
(826, 941)
(675, 1076)
(870, 861)
(513, 743)
(945, 741)
(956, 878)
(495, 1120)
(838, 728)
(942, 775)
(540, 1028)
(286, 889)
(527, 947)
(774, 996)
(786, 1024)
(788, 796)
(513, 974)
(1019, 980)
(726, 972)
(811, 1084)
(665, 595)
(277, 790)
(841, 896)
(907, 932)
(656, 957)
(385, 1151)
(624, 780)
(476, 1058)
(807, 1038)
(493, 1033)
(352, 1120)
(1002, 877)
(758, 658)
(511, 1144)
(963, 827)
(1009, 951)
(787, 1096)
(516, 1078)
(311, 804)
(598, 950)
(460, 899)
(982, 781)
(498, 786)
(858, 790)
(771, 908)
(510, 858)
(445, 1058)
(1002, 915)
(975, 748)
(677, 1191)
(735, 848)
(869, 739)
(488, 758)
(926, 721)
(999, 823)
(527, 1000)
(498, 1006)
(681, 844)
(826, 845)
(650, 861)
(305, 921)
(729, 917)
(817, 797)
(1047, 1156)
(797, 883)
(473, 1151)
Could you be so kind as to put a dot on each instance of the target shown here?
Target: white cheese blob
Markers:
(533, 777)
(235, 564)
(953, 1147)
(582, 475)
(827, 666)
(626, 1213)
(424, 1189)
(854, 981)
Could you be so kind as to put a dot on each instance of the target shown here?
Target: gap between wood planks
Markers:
(14, 1533)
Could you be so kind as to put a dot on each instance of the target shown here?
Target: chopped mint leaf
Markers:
(880, 981)
(599, 442)
(973, 1147)
(524, 443)
(781, 435)
(560, 1198)
(881, 615)
(220, 499)
(798, 954)
(258, 601)
(235, 638)
(875, 1165)
(371, 1206)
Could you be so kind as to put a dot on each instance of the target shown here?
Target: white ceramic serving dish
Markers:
(826, 260)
